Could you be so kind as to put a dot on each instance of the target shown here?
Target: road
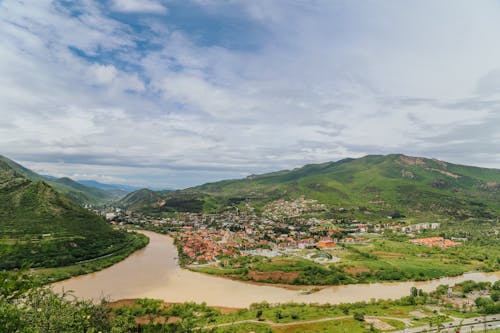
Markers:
(477, 324)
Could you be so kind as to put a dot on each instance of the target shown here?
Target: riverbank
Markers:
(154, 272)
(416, 312)
(51, 275)
(308, 289)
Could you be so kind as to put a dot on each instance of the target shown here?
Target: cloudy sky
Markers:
(177, 93)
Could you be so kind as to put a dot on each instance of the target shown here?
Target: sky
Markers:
(166, 93)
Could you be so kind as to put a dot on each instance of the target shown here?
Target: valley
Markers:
(376, 218)
(282, 248)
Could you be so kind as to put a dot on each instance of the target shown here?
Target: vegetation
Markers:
(142, 199)
(380, 259)
(368, 188)
(50, 275)
(27, 308)
(71, 189)
(42, 228)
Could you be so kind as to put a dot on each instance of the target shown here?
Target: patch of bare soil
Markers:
(446, 173)
(407, 160)
(276, 276)
(379, 324)
(356, 270)
(417, 314)
(143, 320)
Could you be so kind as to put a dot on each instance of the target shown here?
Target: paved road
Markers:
(477, 324)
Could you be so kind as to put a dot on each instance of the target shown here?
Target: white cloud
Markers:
(139, 6)
(345, 79)
(109, 75)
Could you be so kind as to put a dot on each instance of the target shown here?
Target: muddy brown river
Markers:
(153, 272)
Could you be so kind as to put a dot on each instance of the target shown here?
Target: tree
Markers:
(359, 316)
(259, 313)
(495, 295)
(48, 312)
(278, 314)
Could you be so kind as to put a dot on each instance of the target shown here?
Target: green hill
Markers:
(371, 187)
(74, 190)
(41, 227)
(142, 199)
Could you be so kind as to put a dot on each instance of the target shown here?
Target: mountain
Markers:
(109, 187)
(370, 188)
(42, 227)
(142, 199)
(78, 192)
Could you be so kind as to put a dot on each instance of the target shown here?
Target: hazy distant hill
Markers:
(370, 187)
(110, 187)
(40, 226)
(80, 193)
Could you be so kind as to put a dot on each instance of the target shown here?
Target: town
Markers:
(206, 238)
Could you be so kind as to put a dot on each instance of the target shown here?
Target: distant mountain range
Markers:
(109, 187)
(83, 192)
(43, 227)
(369, 188)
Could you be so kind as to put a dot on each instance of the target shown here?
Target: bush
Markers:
(359, 316)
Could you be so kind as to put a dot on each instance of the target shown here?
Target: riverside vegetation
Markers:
(25, 307)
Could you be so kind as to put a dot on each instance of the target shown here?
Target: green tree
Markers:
(359, 316)
(258, 315)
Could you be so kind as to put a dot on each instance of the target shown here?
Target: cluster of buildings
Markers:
(434, 242)
(420, 227)
(241, 232)
(281, 209)
(207, 246)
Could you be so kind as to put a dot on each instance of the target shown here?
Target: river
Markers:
(153, 272)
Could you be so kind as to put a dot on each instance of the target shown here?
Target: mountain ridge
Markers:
(44, 228)
(80, 193)
(372, 187)
(105, 186)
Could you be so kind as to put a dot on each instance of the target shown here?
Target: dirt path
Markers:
(303, 322)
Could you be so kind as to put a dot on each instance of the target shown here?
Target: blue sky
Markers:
(178, 93)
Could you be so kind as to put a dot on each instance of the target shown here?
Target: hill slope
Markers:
(78, 192)
(371, 187)
(142, 199)
(42, 227)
